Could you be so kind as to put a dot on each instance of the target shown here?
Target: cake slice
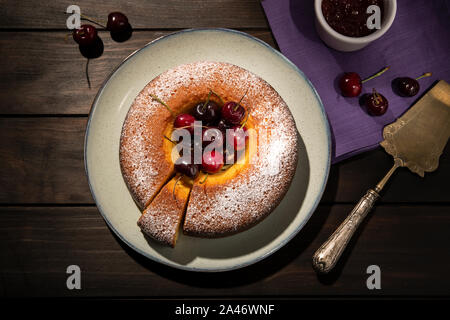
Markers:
(162, 218)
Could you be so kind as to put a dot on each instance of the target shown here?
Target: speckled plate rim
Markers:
(281, 243)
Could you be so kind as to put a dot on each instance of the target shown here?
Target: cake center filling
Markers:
(210, 137)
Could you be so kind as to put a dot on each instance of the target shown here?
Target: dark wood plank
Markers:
(350, 179)
(41, 161)
(37, 245)
(141, 14)
(44, 73)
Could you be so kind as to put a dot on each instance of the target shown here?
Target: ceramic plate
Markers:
(115, 98)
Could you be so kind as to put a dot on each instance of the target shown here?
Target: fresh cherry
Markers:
(86, 35)
(212, 135)
(222, 125)
(93, 50)
(212, 161)
(239, 136)
(115, 21)
(187, 167)
(376, 103)
(350, 84)
(233, 113)
(119, 26)
(409, 87)
(208, 114)
(185, 121)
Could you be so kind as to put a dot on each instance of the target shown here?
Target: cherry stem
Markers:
(428, 74)
(163, 103)
(226, 167)
(204, 180)
(376, 75)
(87, 73)
(84, 17)
(378, 98)
(217, 95)
(195, 126)
(239, 103)
(245, 121)
(169, 139)
(176, 182)
(207, 101)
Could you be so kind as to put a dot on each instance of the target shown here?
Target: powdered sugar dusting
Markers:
(239, 202)
(244, 200)
(162, 217)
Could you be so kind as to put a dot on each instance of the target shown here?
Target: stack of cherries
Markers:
(217, 123)
(377, 104)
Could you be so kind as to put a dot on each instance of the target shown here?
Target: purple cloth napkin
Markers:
(417, 42)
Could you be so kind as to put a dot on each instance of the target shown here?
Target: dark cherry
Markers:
(213, 135)
(376, 103)
(208, 114)
(350, 84)
(239, 136)
(232, 113)
(407, 87)
(119, 26)
(93, 50)
(185, 121)
(85, 35)
(212, 161)
(116, 21)
(223, 126)
(187, 168)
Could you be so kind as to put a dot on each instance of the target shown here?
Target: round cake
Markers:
(209, 203)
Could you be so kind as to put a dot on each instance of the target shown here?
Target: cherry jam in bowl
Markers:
(343, 24)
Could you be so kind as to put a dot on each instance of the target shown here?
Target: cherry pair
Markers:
(118, 26)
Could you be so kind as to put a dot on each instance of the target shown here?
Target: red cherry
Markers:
(119, 27)
(212, 161)
(185, 121)
(188, 168)
(350, 84)
(232, 113)
(116, 21)
(376, 103)
(210, 114)
(223, 126)
(85, 35)
(239, 136)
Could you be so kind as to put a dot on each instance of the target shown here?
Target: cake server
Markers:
(416, 141)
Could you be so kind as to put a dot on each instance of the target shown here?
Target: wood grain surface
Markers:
(37, 245)
(48, 219)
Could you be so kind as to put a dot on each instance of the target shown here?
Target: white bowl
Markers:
(340, 42)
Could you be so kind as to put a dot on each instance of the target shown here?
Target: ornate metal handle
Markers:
(329, 253)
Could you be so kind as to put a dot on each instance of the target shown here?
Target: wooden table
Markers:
(48, 218)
